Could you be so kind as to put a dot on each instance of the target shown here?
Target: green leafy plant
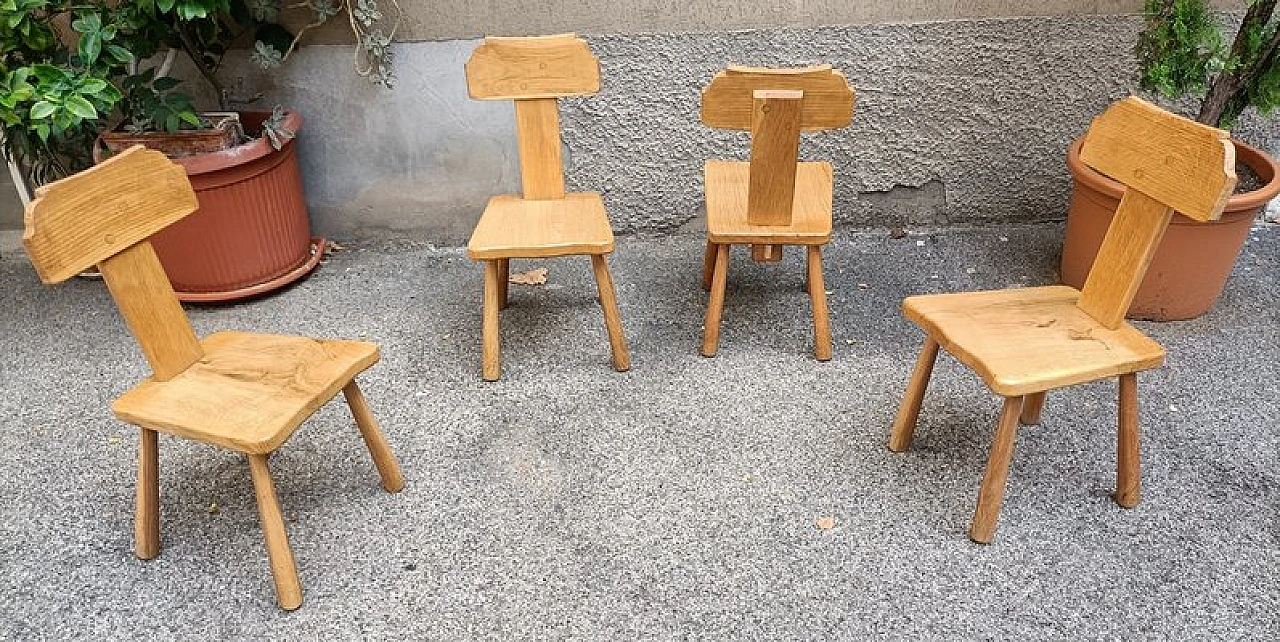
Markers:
(1181, 51)
(71, 68)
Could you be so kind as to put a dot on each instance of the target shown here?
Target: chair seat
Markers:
(249, 391)
(726, 193)
(512, 227)
(1030, 340)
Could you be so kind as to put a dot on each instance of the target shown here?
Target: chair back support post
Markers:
(535, 73)
(1166, 163)
(104, 216)
(775, 105)
(538, 134)
(775, 147)
(145, 298)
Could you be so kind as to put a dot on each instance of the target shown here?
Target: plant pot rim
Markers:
(1261, 162)
(240, 154)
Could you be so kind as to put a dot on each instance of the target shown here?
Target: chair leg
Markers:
(904, 425)
(993, 481)
(715, 306)
(383, 458)
(1031, 407)
(818, 295)
(612, 319)
(708, 265)
(504, 281)
(283, 568)
(491, 357)
(146, 525)
(1128, 461)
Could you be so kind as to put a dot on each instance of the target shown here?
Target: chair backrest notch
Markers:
(1166, 163)
(78, 222)
(728, 102)
(537, 67)
(105, 216)
(535, 72)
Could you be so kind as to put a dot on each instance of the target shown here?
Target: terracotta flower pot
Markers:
(251, 234)
(1193, 260)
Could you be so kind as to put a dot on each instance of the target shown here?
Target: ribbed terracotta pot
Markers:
(1193, 260)
(251, 234)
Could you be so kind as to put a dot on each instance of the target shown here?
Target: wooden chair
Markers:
(773, 200)
(543, 221)
(1025, 342)
(246, 392)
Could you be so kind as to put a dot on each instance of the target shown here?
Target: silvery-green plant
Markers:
(373, 56)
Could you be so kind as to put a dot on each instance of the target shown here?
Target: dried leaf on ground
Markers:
(536, 276)
(825, 523)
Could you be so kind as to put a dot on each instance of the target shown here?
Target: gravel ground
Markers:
(679, 500)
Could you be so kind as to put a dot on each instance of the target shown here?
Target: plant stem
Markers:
(1220, 101)
(193, 53)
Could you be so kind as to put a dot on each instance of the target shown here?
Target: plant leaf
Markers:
(43, 109)
(81, 107)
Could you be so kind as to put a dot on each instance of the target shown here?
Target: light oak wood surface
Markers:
(727, 184)
(538, 137)
(728, 102)
(818, 299)
(244, 391)
(1032, 406)
(280, 555)
(146, 300)
(904, 424)
(537, 67)
(371, 432)
(543, 221)
(772, 200)
(775, 146)
(133, 195)
(1030, 340)
(513, 227)
(1128, 461)
(146, 522)
(249, 391)
(1180, 163)
(991, 495)
(1122, 261)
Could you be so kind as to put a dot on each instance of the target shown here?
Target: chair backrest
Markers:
(1166, 163)
(103, 216)
(535, 73)
(775, 105)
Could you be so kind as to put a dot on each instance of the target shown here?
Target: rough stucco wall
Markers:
(956, 122)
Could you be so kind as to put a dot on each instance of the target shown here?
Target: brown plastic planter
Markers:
(251, 234)
(1193, 260)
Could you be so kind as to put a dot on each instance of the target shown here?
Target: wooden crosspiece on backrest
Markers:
(535, 73)
(104, 216)
(775, 105)
(1167, 163)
